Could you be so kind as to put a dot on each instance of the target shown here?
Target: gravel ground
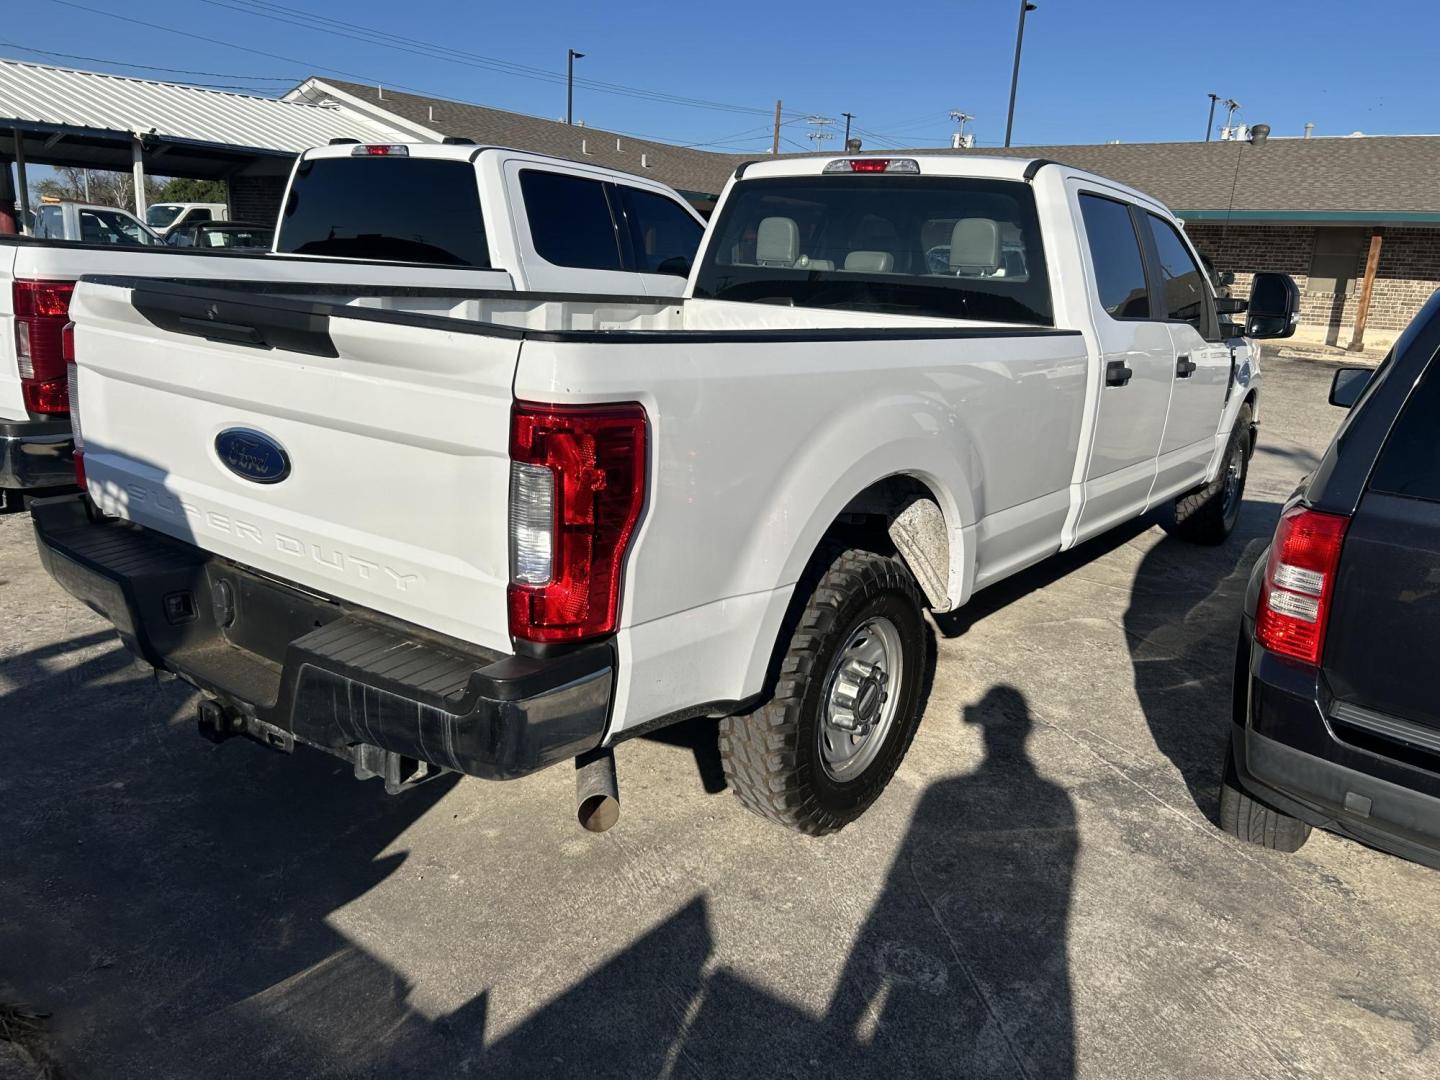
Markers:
(1040, 893)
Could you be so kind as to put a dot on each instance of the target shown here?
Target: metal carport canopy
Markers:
(67, 116)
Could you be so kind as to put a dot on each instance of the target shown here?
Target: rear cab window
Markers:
(1409, 464)
(399, 209)
(940, 246)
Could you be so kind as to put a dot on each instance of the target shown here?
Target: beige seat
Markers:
(777, 242)
(975, 247)
(870, 262)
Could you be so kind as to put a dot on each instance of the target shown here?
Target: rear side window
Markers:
(1181, 281)
(1115, 254)
(663, 234)
(396, 209)
(570, 222)
(1410, 463)
(199, 215)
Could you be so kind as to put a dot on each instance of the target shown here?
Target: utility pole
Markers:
(570, 57)
(821, 132)
(848, 117)
(775, 146)
(1210, 123)
(1025, 6)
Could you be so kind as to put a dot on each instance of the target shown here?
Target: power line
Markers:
(432, 50)
(278, 79)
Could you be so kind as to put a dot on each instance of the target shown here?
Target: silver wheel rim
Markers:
(1234, 477)
(862, 695)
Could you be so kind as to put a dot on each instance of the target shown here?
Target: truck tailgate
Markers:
(396, 438)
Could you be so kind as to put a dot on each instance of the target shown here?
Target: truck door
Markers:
(1202, 362)
(1137, 361)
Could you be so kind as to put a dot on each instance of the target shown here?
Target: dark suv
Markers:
(1337, 682)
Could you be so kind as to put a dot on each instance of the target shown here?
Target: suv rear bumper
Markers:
(36, 454)
(1288, 754)
(284, 665)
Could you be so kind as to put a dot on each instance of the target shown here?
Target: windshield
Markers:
(399, 209)
(951, 247)
(162, 214)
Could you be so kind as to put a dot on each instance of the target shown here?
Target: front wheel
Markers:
(846, 704)
(1207, 515)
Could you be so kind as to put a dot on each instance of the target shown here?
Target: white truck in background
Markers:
(460, 219)
(166, 216)
(892, 381)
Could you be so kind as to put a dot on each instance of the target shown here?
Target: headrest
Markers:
(975, 246)
(873, 262)
(777, 242)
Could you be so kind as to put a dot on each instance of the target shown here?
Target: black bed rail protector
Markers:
(268, 325)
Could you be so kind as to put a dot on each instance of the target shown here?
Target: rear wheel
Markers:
(1247, 818)
(1207, 515)
(846, 704)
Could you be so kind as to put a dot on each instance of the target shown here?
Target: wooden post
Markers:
(1367, 287)
(775, 146)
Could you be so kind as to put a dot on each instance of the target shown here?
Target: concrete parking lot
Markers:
(1040, 893)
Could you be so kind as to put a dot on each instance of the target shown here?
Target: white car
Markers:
(447, 218)
(434, 531)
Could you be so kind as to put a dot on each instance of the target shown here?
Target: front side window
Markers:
(1115, 255)
(1183, 294)
(663, 234)
(397, 209)
(51, 223)
(570, 222)
(941, 246)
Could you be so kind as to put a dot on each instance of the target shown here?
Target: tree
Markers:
(184, 189)
(96, 186)
(118, 189)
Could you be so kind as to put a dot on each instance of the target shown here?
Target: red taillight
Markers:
(577, 486)
(42, 308)
(1300, 583)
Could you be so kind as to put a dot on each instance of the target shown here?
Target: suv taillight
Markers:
(42, 308)
(1299, 585)
(577, 484)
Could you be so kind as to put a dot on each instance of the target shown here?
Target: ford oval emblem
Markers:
(252, 455)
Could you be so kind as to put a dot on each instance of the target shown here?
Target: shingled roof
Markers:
(1370, 175)
(1370, 178)
(694, 172)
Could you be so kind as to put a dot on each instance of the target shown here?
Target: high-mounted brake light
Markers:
(1299, 585)
(42, 308)
(381, 150)
(577, 483)
(873, 165)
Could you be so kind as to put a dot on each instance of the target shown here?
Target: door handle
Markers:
(1116, 373)
(1184, 367)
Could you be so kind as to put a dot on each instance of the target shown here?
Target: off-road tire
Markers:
(1199, 516)
(1247, 818)
(771, 756)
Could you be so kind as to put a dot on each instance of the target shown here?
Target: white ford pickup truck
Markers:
(890, 382)
(389, 216)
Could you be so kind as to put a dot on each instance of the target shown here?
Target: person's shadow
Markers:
(985, 871)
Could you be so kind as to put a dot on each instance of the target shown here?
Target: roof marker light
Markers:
(873, 165)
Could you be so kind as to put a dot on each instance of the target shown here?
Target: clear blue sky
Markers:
(1094, 70)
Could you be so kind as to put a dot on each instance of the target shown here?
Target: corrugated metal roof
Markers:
(38, 94)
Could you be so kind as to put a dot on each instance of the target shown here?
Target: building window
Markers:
(1337, 261)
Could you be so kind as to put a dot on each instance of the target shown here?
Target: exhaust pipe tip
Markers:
(597, 790)
(598, 813)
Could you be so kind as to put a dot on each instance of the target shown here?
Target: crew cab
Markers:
(395, 216)
(891, 382)
(1337, 699)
